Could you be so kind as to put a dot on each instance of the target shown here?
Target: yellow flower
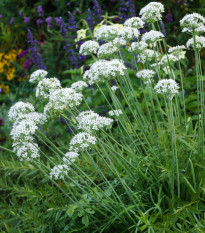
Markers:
(6, 89)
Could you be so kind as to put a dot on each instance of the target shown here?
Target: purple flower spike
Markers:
(1, 16)
(11, 21)
(39, 21)
(131, 7)
(169, 18)
(49, 20)
(40, 11)
(72, 24)
(20, 13)
(162, 27)
(89, 20)
(123, 11)
(97, 10)
(23, 53)
(26, 19)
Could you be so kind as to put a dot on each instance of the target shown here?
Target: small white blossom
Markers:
(59, 172)
(82, 141)
(18, 109)
(152, 36)
(106, 33)
(146, 75)
(90, 120)
(200, 43)
(117, 112)
(192, 22)
(89, 47)
(146, 56)
(46, 86)
(114, 88)
(37, 76)
(107, 49)
(37, 118)
(167, 87)
(152, 12)
(138, 47)
(26, 150)
(70, 157)
(119, 41)
(177, 49)
(166, 59)
(79, 86)
(128, 33)
(134, 22)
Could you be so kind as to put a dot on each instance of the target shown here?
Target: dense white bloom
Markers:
(102, 69)
(89, 120)
(114, 88)
(59, 172)
(152, 12)
(79, 86)
(167, 87)
(146, 56)
(26, 150)
(128, 33)
(106, 33)
(177, 48)
(200, 42)
(168, 58)
(70, 157)
(82, 141)
(107, 49)
(89, 47)
(46, 86)
(146, 75)
(23, 129)
(192, 22)
(138, 47)
(37, 76)
(37, 118)
(119, 41)
(200, 29)
(134, 22)
(61, 99)
(117, 112)
(152, 36)
(18, 109)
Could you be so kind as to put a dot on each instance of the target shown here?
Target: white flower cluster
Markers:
(152, 12)
(200, 42)
(138, 47)
(115, 113)
(146, 56)
(37, 76)
(82, 141)
(152, 36)
(103, 69)
(59, 172)
(60, 100)
(70, 157)
(192, 22)
(18, 109)
(134, 22)
(89, 47)
(166, 59)
(79, 86)
(128, 33)
(167, 87)
(89, 120)
(26, 150)
(114, 88)
(106, 33)
(119, 41)
(107, 49)
(46, 86)
(146, 75)
(176, 49)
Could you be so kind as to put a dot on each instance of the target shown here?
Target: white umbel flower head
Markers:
(200, 43)
(134, 22)
(166, 59)
(176, 49)
(59, 172)
(82, 141)
(70, 157)
(106, 33)
(192, 22)
(167, 87)
(60, 100)
(36, 117)
(128, 33)
(115, 113)
(152, 36)
(89, 47)
(152, 12)
(46, 86)
(119, 41)
(19, 109)
(89, 121)
(114, 88)
(37, 76)
(146, 75)
(138, 47)
(146, 56)
(106, 50)
(98, 73)
(26, 150)
(79, 86)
